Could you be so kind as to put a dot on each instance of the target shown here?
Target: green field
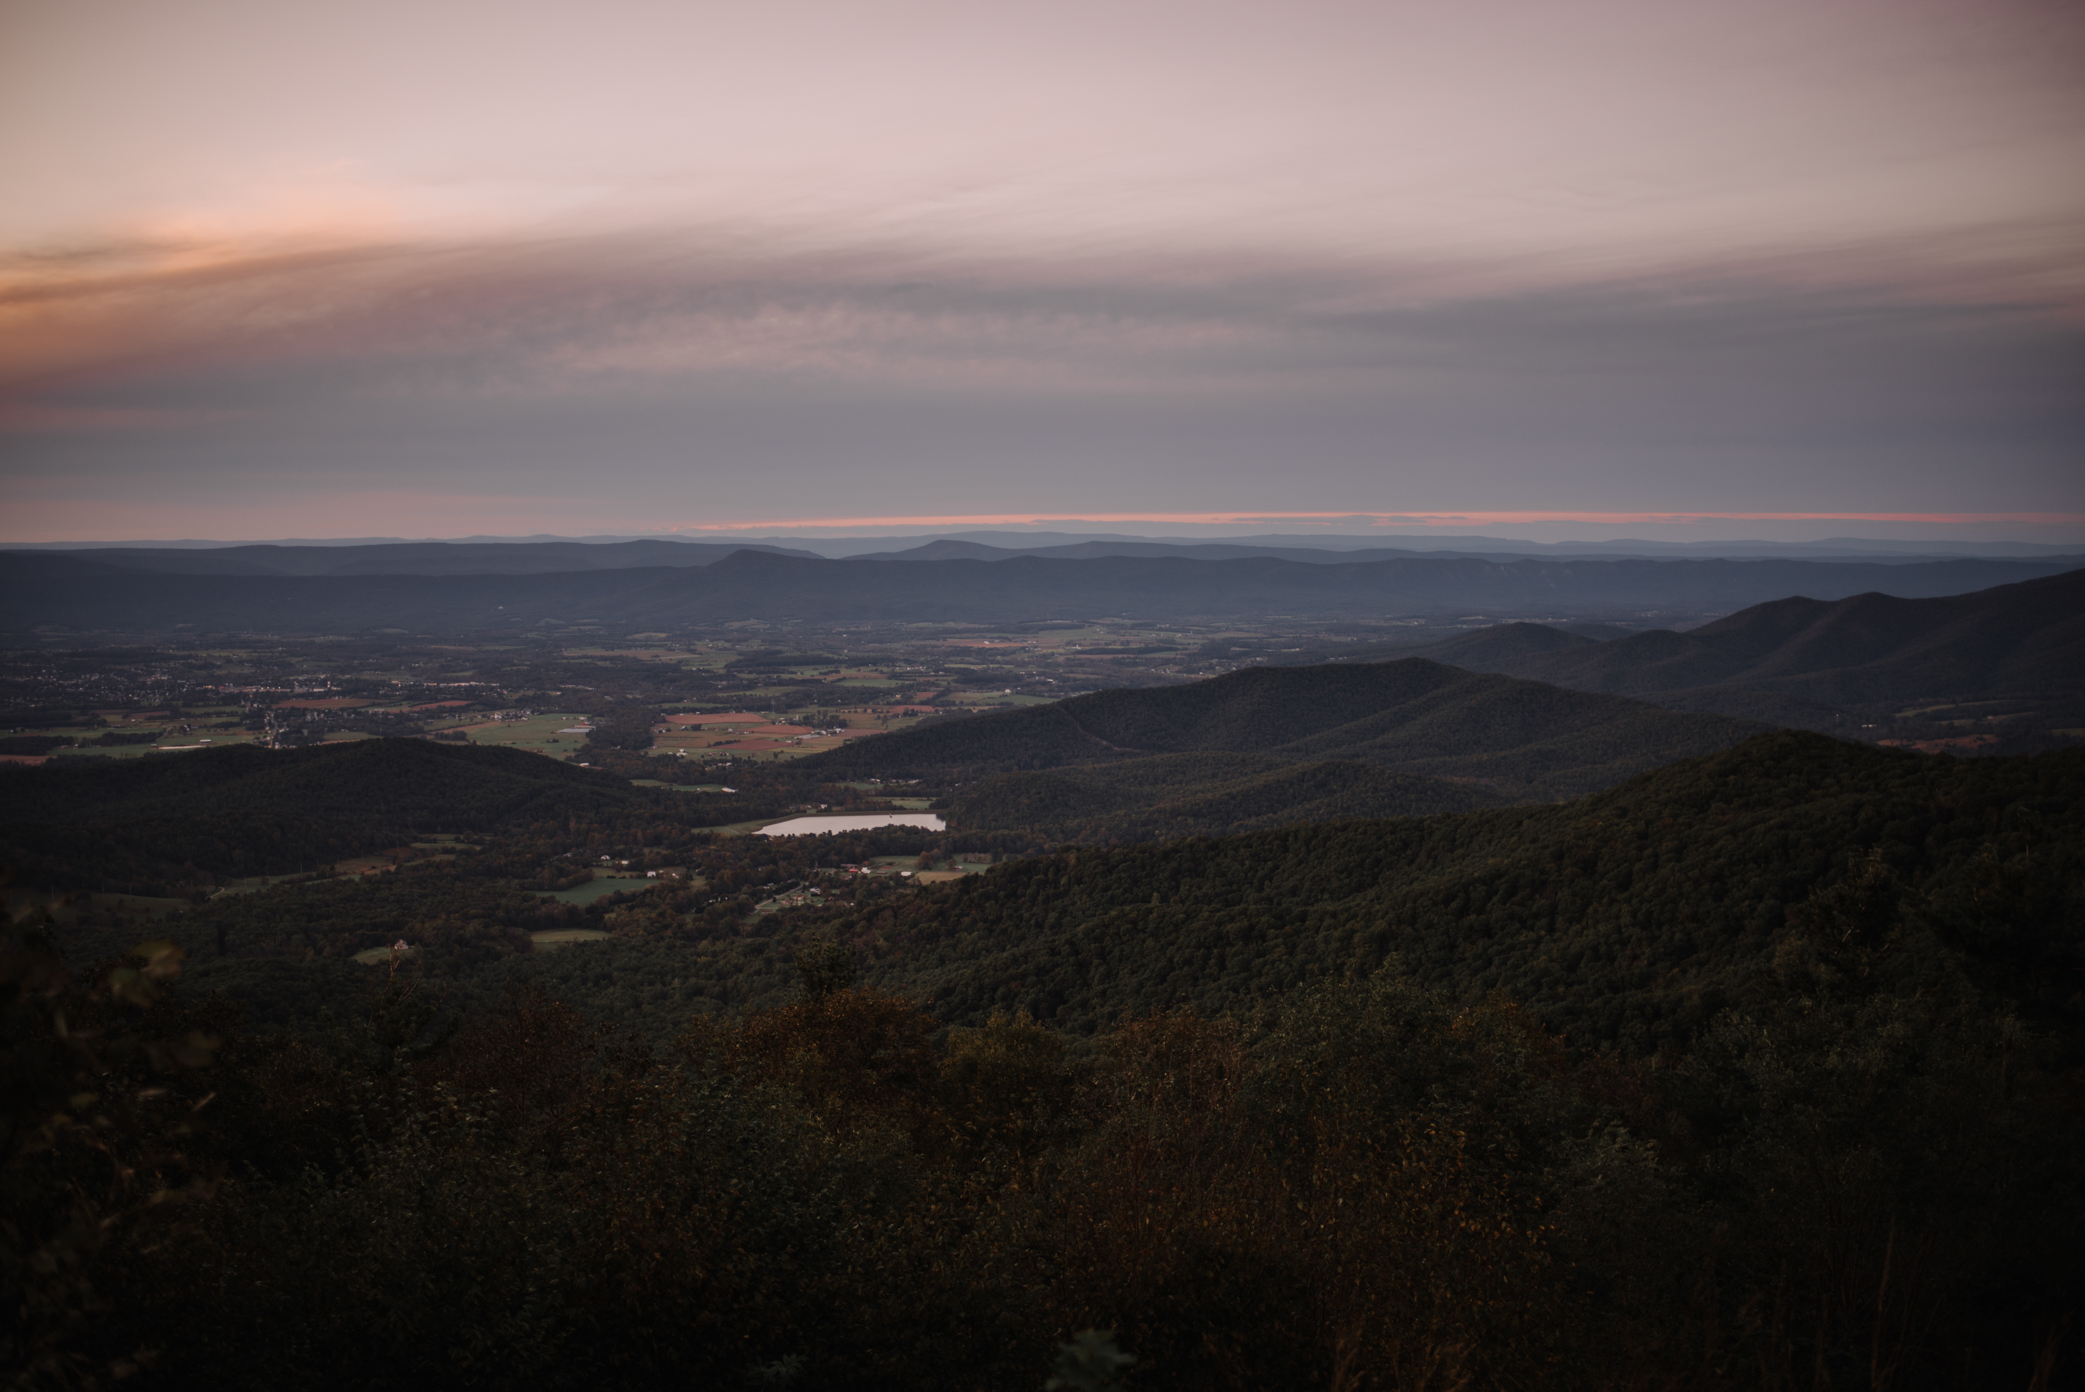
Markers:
(550, 938)
(538, 733)
(168, 738)
(600, 887)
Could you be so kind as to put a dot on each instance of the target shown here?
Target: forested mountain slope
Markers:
(1518, 738)
(1814, 1121)
(1506, 647)
(1626, 918)
(1170, 795)
(245, 811)
(2023, 638)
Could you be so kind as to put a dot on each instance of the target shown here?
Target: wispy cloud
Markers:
(814, 258)
(583, 316)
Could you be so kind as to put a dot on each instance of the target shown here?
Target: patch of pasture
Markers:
(851, 821)
(599, 887)
(539, 733)
(736, 828)
(549, 939)
(216, 739)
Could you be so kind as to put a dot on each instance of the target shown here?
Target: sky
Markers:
(1774, 268)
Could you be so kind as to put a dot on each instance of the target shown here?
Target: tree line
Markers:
(1362, 1183)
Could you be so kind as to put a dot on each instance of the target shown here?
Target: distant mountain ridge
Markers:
(1357, 549)
(951, 549)
(1275, 543)
(419, 557)
(1438, 543)
(40, 590)
(2026, 638)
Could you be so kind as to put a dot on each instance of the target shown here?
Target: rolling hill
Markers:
(1625, 919)
(243, 811)
(1274, 744)
(1869, 649)
(1172, 795)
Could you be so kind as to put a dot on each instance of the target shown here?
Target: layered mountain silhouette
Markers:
(417, 557)
(83, 593)
(1799, 656)
(1268, 745)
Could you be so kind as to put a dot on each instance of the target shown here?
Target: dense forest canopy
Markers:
(1861, 1167)
(241, 811)
(1173, 795)
(1391, 713)
(1625, 919)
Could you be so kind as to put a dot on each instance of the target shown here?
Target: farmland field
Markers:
(813, 826)
(600, 887)
(539, 733)
(564, 937)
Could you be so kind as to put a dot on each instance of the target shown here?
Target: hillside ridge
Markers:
(1398, 738)
(2010, 639)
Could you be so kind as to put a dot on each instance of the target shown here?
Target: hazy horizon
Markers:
(1710, 270)
(839, 542)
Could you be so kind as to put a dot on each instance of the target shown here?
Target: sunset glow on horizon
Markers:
(1373, 520)
(485, 269)
(366, 518)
